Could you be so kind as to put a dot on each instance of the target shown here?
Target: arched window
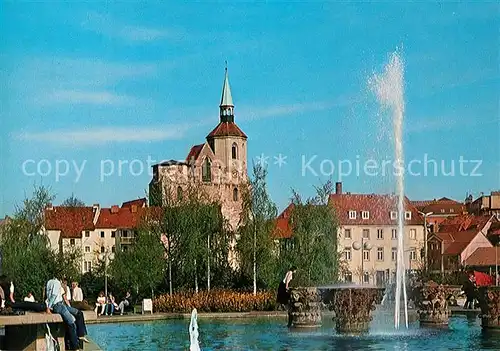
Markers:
(234, 151)
(206, 170)
(179, 193)
(235, 194)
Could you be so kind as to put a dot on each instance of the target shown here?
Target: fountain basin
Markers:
(304, 307)
(431, 300)
(489, 302)
(352, 305)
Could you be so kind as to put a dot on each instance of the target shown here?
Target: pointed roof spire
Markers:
(227, 99)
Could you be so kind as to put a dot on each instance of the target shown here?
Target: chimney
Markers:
(50, 207)
(338, 188)
(114, 209)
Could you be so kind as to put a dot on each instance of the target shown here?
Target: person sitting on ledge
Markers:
(72, 318)
(18, 307)
(101, 302)
(77, 292)
(111, 305)
(124, 303)
(29, 297)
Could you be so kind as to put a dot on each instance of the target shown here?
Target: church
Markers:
(218, 166)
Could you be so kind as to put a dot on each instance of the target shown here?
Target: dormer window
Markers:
(352, 214)
(394, 215)
(407, 214)
(365, 215)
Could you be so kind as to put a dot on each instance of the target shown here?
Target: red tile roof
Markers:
(464, 222)
(484, 256)
(71, 221)
(226, 129)
(378, 206)
(283, 229)
(138, 202)
(460, 240)
(194, 152)
(443, 207)
(125, 217)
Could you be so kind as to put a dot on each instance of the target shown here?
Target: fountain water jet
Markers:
(389, 89)
(193, 332)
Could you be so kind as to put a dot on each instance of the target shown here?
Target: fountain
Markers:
(352, 305)
(389, 90)
(193, 332)
(432, 303)
(489, 302)
(304, 308)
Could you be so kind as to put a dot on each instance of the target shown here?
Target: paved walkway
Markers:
(165, 316)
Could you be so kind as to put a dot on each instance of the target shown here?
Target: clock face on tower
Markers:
(235, 173)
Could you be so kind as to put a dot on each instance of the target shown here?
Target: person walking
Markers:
(283, 295)
(469, 289)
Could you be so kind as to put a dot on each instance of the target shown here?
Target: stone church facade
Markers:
(218, 166)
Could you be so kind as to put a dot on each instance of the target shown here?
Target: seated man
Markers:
(77, 292)
(29, 298)
(124, 303)
(72, 317)
(9, 301)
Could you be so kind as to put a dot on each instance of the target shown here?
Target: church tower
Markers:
(227, 141)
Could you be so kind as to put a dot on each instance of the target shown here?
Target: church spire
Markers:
(226, 103)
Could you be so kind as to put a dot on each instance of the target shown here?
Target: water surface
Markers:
(272, 334)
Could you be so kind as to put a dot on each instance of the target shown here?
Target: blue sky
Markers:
(95, 81)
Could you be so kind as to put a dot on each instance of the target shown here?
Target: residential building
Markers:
(97, 232)
(457, 239)
(439, 210)
(485, 204)
(219, 166)
(371, 220)
(368, 232)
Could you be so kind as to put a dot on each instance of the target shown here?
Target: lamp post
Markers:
(363, 246)
(425, 235)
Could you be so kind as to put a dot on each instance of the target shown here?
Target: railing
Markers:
(127, 240)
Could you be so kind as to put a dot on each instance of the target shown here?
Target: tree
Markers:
(26, 254)
(30, 215)
(255, 242)
(143, 265)
(195, 236)
(73, 201)
(314, 242)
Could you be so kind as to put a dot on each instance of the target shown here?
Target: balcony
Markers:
(126, 241)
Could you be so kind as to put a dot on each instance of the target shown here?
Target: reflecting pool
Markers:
(272, 334)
